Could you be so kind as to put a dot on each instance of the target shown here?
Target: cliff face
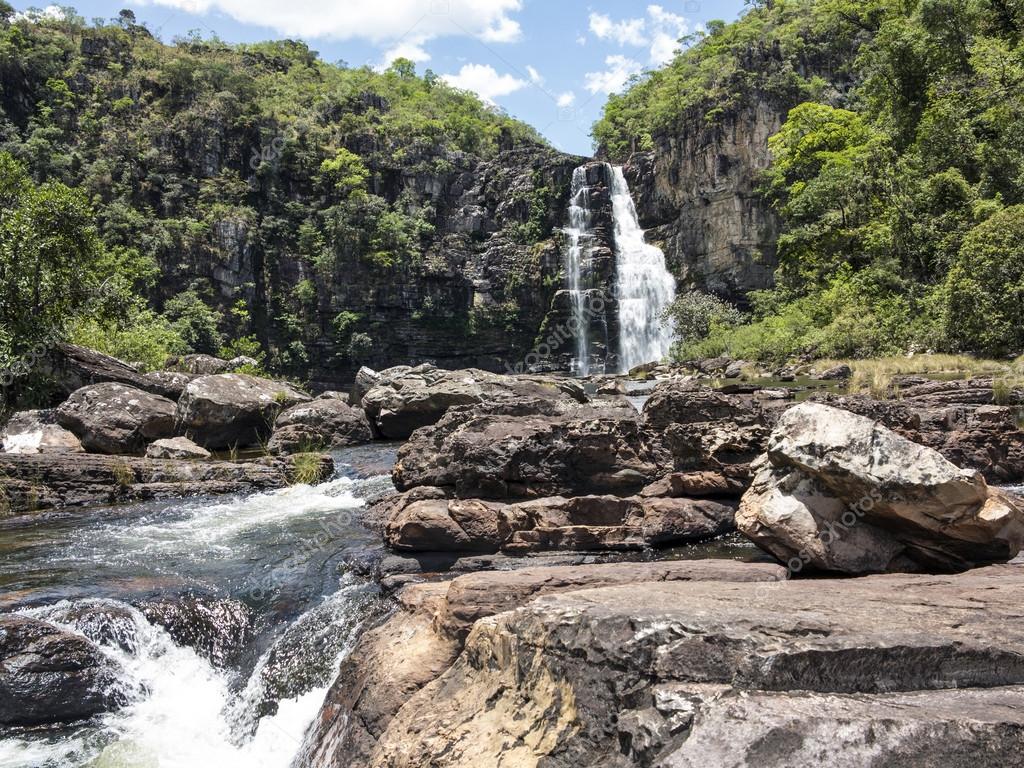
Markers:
(697, 194)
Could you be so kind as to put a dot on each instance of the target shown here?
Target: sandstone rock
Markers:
(324, 424)
(73, 367)
(200, 365)
(842, 492)
(233, 409)
(529, 449)
(114, 418)
(49, 675)
(365, 380)
(170, 384)
(45, 481)
(836, 373)
(406, 399)
(37, 432)
(729, 482)
(585, 523)
(664, 675)
(424, 637)
(176, 448)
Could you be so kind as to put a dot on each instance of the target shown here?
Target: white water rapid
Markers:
(645, 286)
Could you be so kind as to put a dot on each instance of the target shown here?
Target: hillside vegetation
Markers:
(178, 161)
(899, 177)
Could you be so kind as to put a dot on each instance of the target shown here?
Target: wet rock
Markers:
(584, 523)
(49, 675)
(38, 432)
(107, 623)
(326, 423)
(405, 399)
(232, 409)
(176, 448)
(219, 629)
(842, 492)
(529, 449)
(116, 419)
(664, 674)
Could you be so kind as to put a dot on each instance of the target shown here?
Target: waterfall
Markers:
(579, 233)
(645, 287)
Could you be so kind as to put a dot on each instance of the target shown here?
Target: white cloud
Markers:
(581, 40)
(628, 32)
(613, 79)
(566, 99)
(535, 77)
(485, 81)
(659, 32)
(407, 49)
(379, 21)
(49, 13)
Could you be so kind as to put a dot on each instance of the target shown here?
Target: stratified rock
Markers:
(232, 409)
(423, 638)
(405, 399)
(661, 674)
(31, 483)
(326, 423)
(842, 492)
(729, 482)
(49, 675)
(176, 448)
(529, 449)
(583, 523)
(117, 419)
(38, 432)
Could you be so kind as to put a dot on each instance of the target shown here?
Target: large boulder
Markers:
(116, 419)
(232, 409)
(529, 449)
(423, 637)
(72, 367)
(326, 423)
(884, 670)
(583, 523)
(405, 399)
(842, 492)
(38, 432)
(49, 675)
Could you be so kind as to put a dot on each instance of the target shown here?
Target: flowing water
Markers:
(280, 557)
(645, 287)
(581, 239)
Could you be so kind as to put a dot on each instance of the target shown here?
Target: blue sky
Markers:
(550, 63)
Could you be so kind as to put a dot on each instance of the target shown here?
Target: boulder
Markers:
(365, 380)
(424, 636)
(326, 423)
(584, 523)
(405, 399)
(117, 419)
(170, 384)
(38, 432)
(884, 670)
(176, 448)
(836, 373)
(50, 676)
(200, 365)
(219, 629)
(838, 491)
(72, 367)
(233, 409)
(529, 448)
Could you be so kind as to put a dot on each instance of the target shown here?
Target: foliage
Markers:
(695, 314)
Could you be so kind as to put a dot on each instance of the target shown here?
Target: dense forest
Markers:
(898, 173)
(132, 171)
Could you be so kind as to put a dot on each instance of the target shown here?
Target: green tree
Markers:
(984, 292)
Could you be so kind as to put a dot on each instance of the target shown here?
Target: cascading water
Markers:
(645, 287)
(579, 235)
(277, 554)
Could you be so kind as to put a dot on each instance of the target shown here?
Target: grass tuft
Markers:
(307, 468)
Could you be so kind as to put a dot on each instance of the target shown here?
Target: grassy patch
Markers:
(124, 477)
(307, 468)
(922, 364)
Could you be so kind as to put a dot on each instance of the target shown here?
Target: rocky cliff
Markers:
(696, 192)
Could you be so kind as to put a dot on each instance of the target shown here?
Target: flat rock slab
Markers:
(30, 483)
(629, 675)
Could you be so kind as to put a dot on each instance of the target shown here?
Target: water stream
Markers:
(279, 557)
(645, 286)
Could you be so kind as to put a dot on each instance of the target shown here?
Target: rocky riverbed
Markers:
(540, 574)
